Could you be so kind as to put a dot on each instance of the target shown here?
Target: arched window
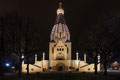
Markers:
(60, 49)
(52, 50)
(67, 49)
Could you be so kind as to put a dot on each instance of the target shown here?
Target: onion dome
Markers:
(60, 9)
(60, 29)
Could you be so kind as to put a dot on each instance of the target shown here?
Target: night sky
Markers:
(80, 15)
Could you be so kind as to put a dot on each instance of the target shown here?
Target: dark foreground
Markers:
(63, 76)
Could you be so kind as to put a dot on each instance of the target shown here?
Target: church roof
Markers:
(60, 19)
(60, 43)
(52, 41)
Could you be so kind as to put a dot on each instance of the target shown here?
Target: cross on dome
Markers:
(60, 5)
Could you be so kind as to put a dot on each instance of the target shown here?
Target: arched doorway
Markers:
(60, 67)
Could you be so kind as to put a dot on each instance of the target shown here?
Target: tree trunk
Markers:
(1, 68)
(27, 66)
(105, 66)
(20, 68)
(95, 65)
(2, 51)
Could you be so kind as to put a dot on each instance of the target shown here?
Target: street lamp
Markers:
(77, 56)
(115, 64)
(7, 64)
(22, 56)
(13, 67)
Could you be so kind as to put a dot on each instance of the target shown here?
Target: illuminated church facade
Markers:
(60, 51)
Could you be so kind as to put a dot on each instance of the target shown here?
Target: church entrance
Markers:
(60, 67)
(60, 58)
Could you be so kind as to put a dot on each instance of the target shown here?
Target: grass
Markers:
(60, 76)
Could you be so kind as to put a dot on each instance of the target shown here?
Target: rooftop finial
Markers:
(60, 5)
(60, 9)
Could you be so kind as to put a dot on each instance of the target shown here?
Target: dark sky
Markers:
(80, 15)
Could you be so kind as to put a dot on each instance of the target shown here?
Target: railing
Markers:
(36, 65)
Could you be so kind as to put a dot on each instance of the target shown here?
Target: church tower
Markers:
(60, 45)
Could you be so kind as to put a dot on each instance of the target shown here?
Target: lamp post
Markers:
(22, 56)
(116, 64)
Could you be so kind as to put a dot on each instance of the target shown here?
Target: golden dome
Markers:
(60, 10)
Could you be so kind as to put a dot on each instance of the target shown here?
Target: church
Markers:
(60, 51)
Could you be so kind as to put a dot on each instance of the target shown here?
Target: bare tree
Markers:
(22, 38)
(30, 42)
(14, 27)
(109, 39)
(2, 52)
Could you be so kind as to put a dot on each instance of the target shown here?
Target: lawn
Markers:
(60, 76)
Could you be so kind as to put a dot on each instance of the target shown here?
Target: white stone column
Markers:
(35, 58)
(85, 58)
(43, 60)
(77, 60)
(43, 56)
(77, 56)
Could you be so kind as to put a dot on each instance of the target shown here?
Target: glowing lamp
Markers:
(22, 56)
(7, 64)
(13, 67)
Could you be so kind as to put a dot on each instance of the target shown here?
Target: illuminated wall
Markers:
(82, 66)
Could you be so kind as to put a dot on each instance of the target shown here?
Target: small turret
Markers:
(43, 56)
(35, 58)
(85, 58)
(77, 56)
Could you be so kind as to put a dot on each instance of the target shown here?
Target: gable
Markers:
(60, 44)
